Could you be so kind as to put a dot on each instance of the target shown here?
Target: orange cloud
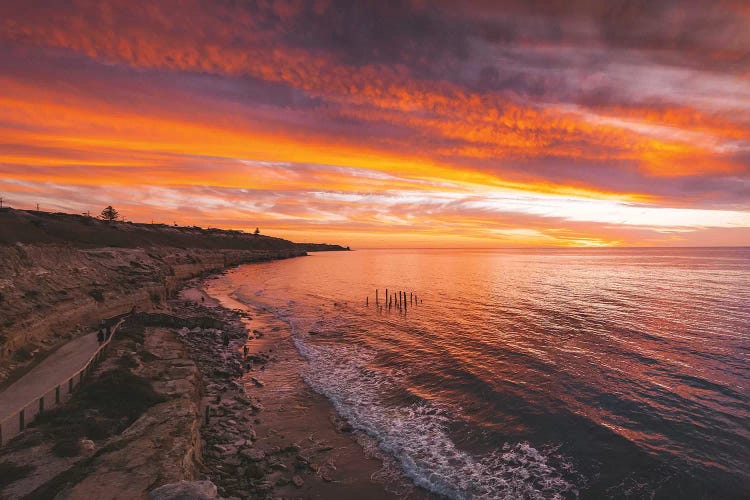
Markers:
(155, 100)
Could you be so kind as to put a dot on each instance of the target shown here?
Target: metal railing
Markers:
(56, 395)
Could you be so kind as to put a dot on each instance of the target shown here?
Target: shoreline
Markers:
(249, 424)
(302, 447)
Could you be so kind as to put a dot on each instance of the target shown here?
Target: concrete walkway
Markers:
(55, 369)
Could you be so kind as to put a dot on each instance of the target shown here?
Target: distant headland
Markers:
(84, 231)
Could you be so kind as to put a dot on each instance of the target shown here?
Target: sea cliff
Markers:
(60, 273)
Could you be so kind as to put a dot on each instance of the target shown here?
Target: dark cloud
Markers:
(611, 96)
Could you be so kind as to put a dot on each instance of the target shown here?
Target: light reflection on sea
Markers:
(532, 373)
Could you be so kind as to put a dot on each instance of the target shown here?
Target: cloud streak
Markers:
(583, 122)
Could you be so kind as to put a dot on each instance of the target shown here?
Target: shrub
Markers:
(97, 295)
(127, 361)
(147, 356)
(103, 408)
(155, 297)
(67, 446)
(119, 393)
(132, 331)
(23, 354)
(10, 473)
(30, 294)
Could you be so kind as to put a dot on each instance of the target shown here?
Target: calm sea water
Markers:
(532, 374)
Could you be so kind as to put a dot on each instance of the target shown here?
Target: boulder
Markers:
(253, 455)
(87, 447)
(185, 490)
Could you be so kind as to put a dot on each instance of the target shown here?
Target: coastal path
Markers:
(48, 384)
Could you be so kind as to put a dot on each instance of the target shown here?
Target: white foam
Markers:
(416, 436)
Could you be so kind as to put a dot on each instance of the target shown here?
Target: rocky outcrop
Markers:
(164, 444)
(48, 293)
(184, 490)
(119, 454)
(61, 273)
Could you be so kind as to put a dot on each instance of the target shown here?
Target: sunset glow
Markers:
(412, 123)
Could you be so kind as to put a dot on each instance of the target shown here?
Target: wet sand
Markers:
(329, 459)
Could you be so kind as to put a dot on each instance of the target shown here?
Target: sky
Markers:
(483, 123)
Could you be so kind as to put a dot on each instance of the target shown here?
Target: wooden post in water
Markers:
(376, 297)
(411, 297)
(367, 301)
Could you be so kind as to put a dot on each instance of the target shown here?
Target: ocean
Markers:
(596, 373)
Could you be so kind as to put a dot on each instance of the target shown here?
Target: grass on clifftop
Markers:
(34, 227)
(103, 408)
(119, 394)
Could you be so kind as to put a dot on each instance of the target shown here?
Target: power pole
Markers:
(37, 207)
(1, 202)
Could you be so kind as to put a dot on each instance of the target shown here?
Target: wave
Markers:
(416, 435)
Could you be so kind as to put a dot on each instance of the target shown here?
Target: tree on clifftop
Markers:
(256, 232)
(110, 214)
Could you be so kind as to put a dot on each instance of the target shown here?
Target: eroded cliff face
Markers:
(50, 293)
(164, 444)
(117, 452)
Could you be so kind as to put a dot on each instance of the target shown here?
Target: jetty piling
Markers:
(399, 299)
